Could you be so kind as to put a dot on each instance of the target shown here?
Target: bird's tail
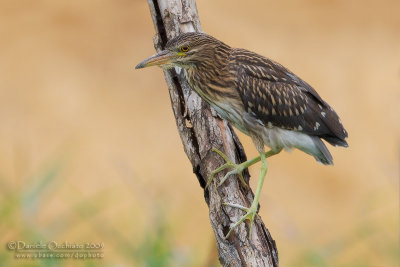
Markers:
(323, 155)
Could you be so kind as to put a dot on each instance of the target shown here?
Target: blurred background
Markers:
(89, 150)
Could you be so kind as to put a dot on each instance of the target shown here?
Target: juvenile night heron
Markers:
(258, 96)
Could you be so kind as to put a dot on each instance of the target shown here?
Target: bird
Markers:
(258, 96)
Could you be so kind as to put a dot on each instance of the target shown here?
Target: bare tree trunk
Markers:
(201, 129)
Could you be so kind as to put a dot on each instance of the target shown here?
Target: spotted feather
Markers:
(283, 99)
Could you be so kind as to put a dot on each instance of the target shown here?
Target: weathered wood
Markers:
(201, 129)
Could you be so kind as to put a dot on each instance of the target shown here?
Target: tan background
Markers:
(89, 150)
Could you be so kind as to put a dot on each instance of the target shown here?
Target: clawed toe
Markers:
(250, 215)
(236, 169)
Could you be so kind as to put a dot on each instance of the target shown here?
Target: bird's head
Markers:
(185, 51)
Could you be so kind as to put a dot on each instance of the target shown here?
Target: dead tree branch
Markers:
(201, 129)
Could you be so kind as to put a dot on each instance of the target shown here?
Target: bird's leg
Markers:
(252, 211)
(237, 168)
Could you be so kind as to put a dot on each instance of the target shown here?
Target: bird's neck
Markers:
(213, 81)
(215, 59)
(212, 66)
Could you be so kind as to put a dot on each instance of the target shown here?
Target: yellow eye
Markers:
(185, 48)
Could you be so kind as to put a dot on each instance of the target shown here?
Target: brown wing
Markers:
(276, 96)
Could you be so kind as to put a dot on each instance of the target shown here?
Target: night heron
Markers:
(258, 96)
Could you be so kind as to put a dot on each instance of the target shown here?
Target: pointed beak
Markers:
(162, 58)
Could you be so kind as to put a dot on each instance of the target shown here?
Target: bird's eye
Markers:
(185, 48)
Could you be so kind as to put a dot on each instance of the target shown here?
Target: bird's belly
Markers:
(229, 113)
(272, 136)
(276, 138)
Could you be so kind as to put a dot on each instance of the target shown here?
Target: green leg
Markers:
(237, 168)
(252, 211)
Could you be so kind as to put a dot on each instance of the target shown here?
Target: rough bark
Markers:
(201, 129)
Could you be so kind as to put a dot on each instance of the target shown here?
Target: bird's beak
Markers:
(162, 58)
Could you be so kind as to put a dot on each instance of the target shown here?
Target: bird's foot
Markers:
(250, 215)
(236, 169)
(252, 211)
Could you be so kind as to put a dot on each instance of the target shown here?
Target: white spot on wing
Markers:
(178, 70)
(323, 114)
